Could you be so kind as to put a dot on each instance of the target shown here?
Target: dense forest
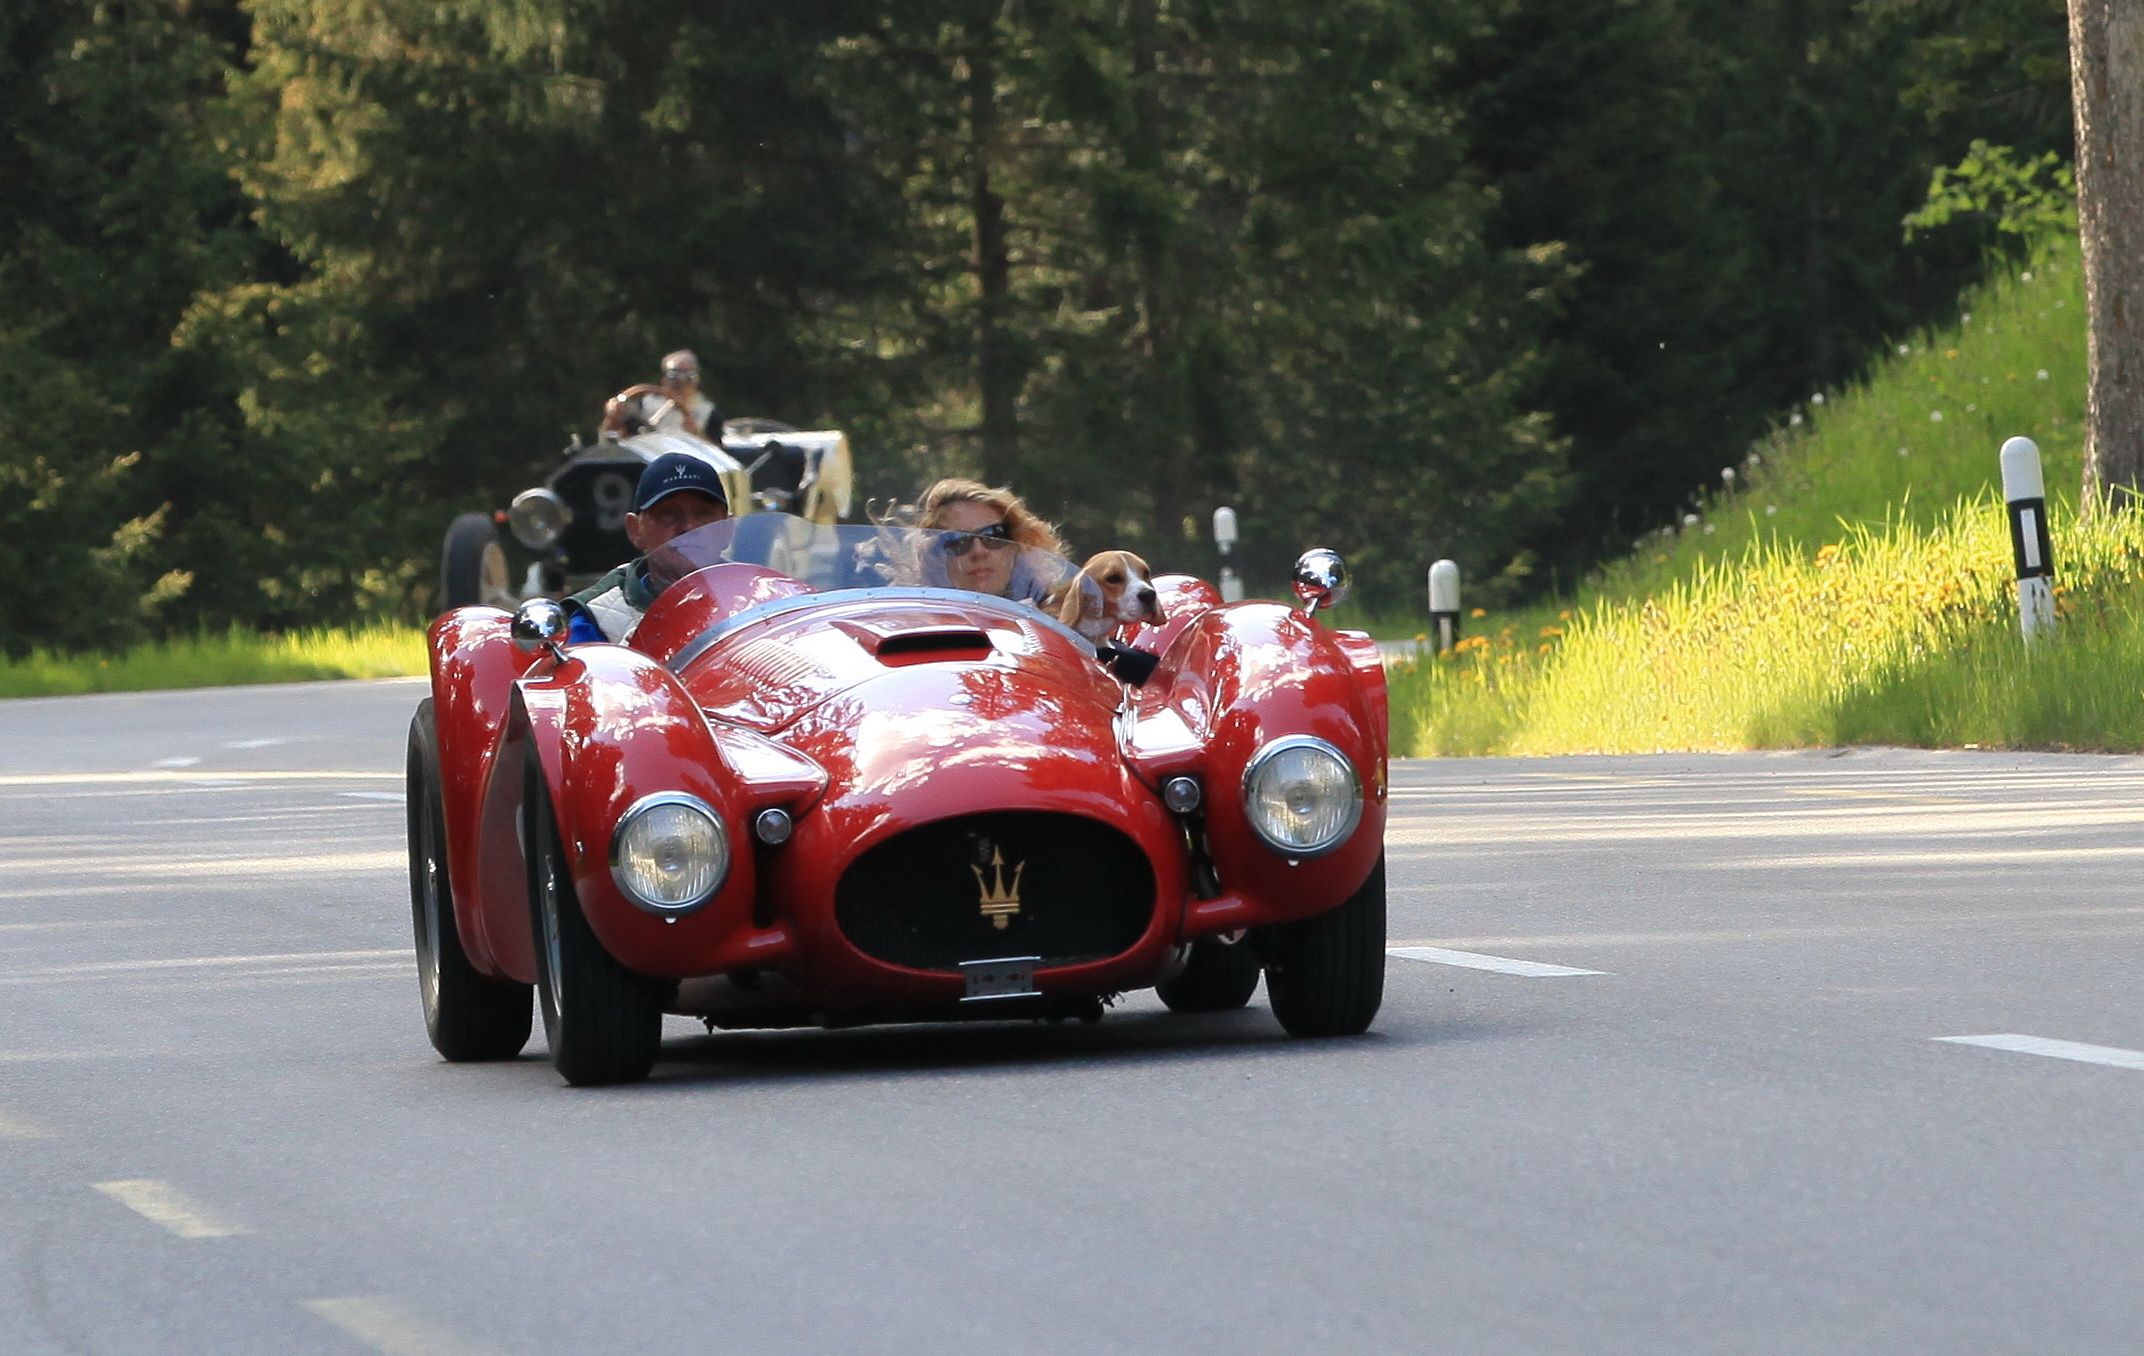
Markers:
(285, 284)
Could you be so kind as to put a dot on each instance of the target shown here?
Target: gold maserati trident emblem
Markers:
(999, 904)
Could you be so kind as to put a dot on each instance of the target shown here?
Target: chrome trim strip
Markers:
(641, 807)
(1282, 745)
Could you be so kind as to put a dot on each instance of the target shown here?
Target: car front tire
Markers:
(1218, 978)
(468, 1015)
(1325, 975)
(472, 566)
(604, 1022)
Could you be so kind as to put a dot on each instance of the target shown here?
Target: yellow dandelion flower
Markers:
(1479, 612)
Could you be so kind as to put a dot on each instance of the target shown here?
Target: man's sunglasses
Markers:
(996, 537)
(681, 374)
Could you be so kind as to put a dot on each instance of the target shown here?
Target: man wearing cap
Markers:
(677, 493)
(677, 407)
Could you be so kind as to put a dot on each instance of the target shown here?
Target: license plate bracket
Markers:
(1003, 977)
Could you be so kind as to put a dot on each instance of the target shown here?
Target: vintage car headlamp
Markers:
(536, 517)
(1302, 796)
(669, 852)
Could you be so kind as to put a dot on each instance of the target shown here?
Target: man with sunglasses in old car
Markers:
(677, 493)
(993, 542)
(674, 406)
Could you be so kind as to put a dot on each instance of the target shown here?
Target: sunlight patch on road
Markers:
(164, 1204)
(13, 1126)
(390, 1328)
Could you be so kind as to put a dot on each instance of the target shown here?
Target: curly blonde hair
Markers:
(1027, 527)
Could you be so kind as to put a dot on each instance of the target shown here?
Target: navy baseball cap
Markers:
(673, 472)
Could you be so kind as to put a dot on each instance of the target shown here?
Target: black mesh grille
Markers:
(1066, 889)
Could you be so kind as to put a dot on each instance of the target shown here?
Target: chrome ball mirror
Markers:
(1320, 579)
(539, 622)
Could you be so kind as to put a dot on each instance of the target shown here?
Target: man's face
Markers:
(681, 380)
(672, 517)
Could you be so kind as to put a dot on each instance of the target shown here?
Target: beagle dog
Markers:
(1111, 590)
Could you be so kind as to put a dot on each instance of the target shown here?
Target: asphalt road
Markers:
(1748, 1126)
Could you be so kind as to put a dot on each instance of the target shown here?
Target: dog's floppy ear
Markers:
(1082, 596)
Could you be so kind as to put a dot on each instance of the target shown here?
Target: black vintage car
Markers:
(573, 525)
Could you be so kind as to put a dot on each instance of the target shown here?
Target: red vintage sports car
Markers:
(820, 789)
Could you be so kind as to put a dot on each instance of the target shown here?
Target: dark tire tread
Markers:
(611, 1025)
(1325, 976)
(1218, 978)
(461, 560)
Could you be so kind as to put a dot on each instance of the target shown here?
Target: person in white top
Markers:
(675, 406)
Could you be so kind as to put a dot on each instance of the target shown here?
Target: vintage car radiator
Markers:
(1059, 887)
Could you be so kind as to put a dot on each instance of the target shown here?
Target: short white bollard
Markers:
(1224, 537)
(2025, 493)
(1444, 603)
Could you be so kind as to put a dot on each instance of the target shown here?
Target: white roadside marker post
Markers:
(2025, 494)
(1224, 537)
(1444, 603)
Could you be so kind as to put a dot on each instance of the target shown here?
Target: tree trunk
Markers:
(997, 367)
(1144, 154)
(2106, 68)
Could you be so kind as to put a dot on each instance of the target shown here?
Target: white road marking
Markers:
(17, 1127)
(165, 1204)
(66, 1056)
(205, 962)
(1474, 960)
(2112, 1055)
(255, 743)
(388, 1327)
(120, 778)
(396, 796)
(175, 762)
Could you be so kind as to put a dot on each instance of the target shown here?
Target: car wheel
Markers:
(603, 1021)
(1325, 975)
(468, 1014)
(1218, 978)
(472, 566)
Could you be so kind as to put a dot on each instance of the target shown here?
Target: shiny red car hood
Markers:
(941, 660)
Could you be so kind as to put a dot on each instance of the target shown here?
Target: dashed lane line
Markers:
(164, 1204)
(396, 796)
(389, 1327)
(1474, 960)
(2111, 1055)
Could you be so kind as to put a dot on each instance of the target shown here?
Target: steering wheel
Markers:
(622, 409)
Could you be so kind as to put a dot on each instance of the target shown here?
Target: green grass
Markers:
(1849, 584)
(219, 659)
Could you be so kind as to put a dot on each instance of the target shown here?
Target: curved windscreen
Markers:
(847, 556)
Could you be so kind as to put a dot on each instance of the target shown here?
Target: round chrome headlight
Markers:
(536, 517)
(669, 852)
(1302, 796)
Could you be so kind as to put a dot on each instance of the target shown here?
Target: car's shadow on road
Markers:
(1128, 1039)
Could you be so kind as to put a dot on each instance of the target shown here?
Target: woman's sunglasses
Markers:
(995, 537)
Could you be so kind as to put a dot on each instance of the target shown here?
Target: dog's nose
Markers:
(1146, 596)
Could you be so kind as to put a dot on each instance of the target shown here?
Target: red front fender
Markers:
(1233, 681)
(604, 729)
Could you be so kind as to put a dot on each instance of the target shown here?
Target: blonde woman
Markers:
(991, 542)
